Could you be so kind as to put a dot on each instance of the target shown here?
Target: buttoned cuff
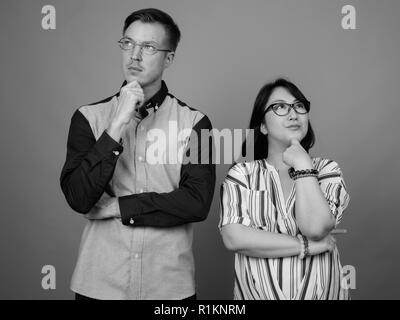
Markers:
(107, 146)
(129, 209)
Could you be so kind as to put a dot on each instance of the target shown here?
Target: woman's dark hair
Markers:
(155, 15)
(257, 117)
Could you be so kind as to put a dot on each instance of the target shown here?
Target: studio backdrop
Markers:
(59, 55)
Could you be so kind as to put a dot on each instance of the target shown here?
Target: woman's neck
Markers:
(274, 158)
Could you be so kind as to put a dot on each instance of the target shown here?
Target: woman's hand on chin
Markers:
(295, 156)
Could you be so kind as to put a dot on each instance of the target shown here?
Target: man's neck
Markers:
(150, 90)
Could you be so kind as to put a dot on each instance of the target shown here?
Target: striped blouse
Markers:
(252, 195)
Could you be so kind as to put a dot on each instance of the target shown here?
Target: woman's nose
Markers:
(292, 113)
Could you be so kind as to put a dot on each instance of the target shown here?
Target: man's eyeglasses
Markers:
(128, 44)
(283, 109)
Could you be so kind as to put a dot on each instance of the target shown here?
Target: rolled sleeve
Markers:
(334, 189)
(233, 199)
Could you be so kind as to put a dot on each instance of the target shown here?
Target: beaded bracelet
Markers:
(296, 174)
(306, 251)
(304, 246)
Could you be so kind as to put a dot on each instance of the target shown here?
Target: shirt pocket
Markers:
(262, 210)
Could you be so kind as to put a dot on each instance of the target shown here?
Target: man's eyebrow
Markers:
(144, 42)
(149, 42)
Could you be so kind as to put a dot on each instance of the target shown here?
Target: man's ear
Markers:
(169, 59)
(263, 129)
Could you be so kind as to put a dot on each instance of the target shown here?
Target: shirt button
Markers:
(136, 255)
(116, 153)
(140, 158)
(141, 128)
(141, 190)
(131, 221)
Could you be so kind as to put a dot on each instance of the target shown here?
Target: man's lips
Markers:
(135, 68)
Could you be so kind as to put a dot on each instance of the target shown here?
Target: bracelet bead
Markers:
(303, 246)
(296, 174)
(306, 250)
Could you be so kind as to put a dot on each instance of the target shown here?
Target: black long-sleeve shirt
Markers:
(159, 195)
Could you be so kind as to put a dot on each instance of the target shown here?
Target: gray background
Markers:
(229, 49)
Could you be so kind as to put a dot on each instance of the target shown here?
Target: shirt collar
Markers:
(156, 100)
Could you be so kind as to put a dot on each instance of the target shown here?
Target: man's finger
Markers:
(133, 84)
(140, 101)
(135, 90)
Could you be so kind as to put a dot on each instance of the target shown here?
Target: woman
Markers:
(279, 211)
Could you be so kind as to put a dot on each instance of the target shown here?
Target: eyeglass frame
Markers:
(135, 44)
(291, 106)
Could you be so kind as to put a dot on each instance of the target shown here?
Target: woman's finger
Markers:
(338, 231)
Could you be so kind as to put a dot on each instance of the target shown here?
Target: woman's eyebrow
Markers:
(275, 101)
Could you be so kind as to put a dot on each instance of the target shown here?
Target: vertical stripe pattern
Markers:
(252, 195)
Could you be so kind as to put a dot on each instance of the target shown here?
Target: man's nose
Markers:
(137, 53)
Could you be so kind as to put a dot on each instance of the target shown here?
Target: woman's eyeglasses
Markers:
(283, 109)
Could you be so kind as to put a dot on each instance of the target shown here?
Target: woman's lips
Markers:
(294, 127)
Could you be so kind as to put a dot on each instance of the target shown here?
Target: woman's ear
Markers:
(263, 129)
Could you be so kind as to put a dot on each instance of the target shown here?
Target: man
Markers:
(137, 243)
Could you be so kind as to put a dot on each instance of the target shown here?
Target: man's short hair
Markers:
(152, 15)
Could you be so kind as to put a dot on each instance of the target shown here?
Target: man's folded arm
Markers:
(190, 202)
(89, 164)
